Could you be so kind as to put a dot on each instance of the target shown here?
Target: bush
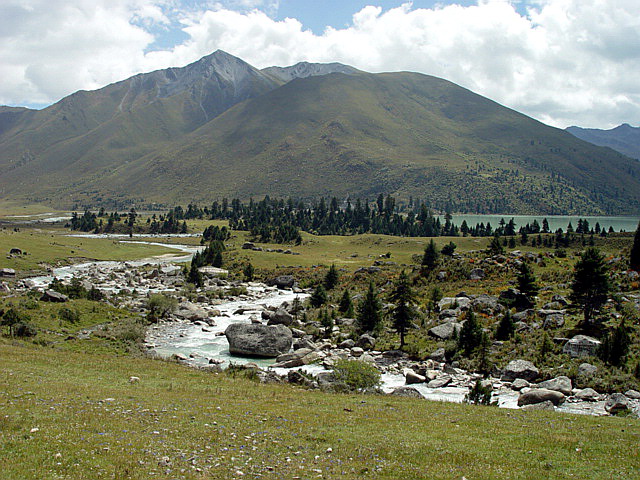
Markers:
(160, 306)
(356, 375)
(68, 315)
(23, 329)
(479, 394)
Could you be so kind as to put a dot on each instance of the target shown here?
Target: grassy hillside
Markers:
(623, 138)
(219, 127)
(404, 133)
(75, 415)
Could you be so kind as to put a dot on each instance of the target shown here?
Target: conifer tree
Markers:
(318, 297)
(615, 345)
(369, 317)
(327, 322)
(346, 304)
(590, 285)
(495, 247)
(506, 327)
(527, 281)
(430, 257)
(634, 260)
(470, 335)
(331, 279)
(248, 272)
(403, 313)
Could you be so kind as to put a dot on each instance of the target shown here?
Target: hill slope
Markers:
(219, 127)
(623, 138)
(402, 133)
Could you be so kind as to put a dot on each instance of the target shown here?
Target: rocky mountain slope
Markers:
(219, 127)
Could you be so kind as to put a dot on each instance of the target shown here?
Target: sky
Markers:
(563, 62)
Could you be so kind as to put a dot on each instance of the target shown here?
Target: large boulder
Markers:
(407, 392)
(440, 382)
(486, 304)
(616, 403)
(444, 331)
(559, 384)
(53, 296)
(366, 342)
(190, 311)
(581, 346)
(476, 274)
(280, 317)
(412, 377)
(519, 369)
(258, 340)
(555, 320)
(283, 281)
(587, 395)
(586, 369)
(514, 298)
(539, 395)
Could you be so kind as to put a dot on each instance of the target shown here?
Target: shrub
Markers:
(479, 394)
(68, 315)
(160, 306)
(356, 375)
(23, 329)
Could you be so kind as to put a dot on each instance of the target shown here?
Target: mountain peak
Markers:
(306, 69)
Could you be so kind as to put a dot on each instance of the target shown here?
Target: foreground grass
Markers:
(182, 423)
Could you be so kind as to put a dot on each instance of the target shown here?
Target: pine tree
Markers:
(195, 276)
(590, 285)
(527, 281)
(331, 279)
(403, 312)
(448, 249)
(369, 317)
(615, 346)
(318, 297)
(506, 327)
(495, 247)
(346, 304)
(483, 353)
(430, 257)
(248, 272)
(470, 335)
(327, 322)
(634, 260)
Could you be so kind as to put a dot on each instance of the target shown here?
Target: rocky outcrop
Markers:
(581, 346)
(560, 384)
(616, 403)
(53, 296)
(258, 340)
(519, 369)
(444, 331)
(283, 281)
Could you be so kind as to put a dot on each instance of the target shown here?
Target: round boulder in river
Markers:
(258, 340)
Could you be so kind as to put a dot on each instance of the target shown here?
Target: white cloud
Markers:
(565, 62)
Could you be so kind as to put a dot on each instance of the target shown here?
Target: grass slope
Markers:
(405, 133)
(182, 423)
(360, 135)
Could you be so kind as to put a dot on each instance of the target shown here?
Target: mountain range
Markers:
(222, 128)
(623, 138)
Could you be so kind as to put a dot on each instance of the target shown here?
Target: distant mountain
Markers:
(623, 138)
(219, 127)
